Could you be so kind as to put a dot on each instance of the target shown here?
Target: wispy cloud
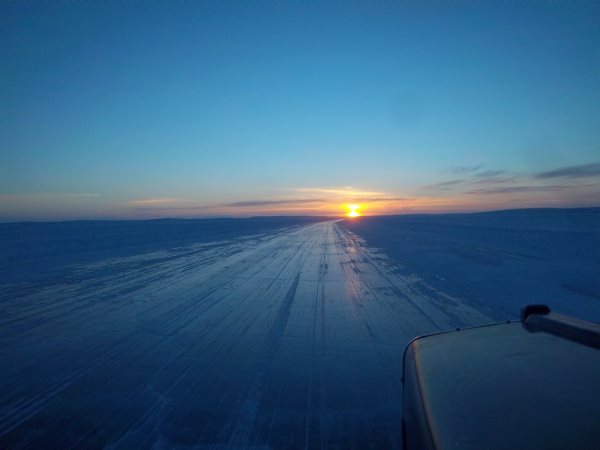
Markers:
(462, 169)
(343, 191)
(154, 201)
(444, 185)
(490, 173)
(494, 180)
(383, 199)
(516, 189)
(273, 202)
(579, 171)
(47, 196)
(163, 206)
(473, 176)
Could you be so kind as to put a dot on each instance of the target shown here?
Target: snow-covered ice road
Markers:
(291, 339)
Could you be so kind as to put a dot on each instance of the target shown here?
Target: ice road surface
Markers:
(289, 338)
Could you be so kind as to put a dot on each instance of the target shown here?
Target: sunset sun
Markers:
(353, 210)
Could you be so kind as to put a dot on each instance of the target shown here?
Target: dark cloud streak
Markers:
(272, 202)
(444, 184)
(494, 180)
(241, 204)
(517, 189)
(579, 171)
(490, 173)
(462, 169)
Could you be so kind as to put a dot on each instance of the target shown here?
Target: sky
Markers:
(134, 110)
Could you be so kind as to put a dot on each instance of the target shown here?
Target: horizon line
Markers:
(323, 216)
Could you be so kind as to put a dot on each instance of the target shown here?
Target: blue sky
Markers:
(205, 108)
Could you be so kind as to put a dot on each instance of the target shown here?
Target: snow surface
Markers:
(499, 260)
(257, 333)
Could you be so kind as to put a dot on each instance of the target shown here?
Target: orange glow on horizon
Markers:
(350, 208)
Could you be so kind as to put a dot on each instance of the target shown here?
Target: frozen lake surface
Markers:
(280, 333)
(499, 260)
